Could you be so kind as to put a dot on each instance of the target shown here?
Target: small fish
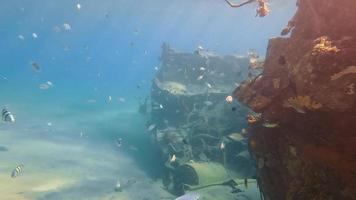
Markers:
(3, 77)
(202, 69)
(173, 158)
(151, 127)
(91, 101)
(7, 116)
(189, 196)
(79, 6)
(34, 35)
(109, 98)
(57, 29)
(270, 125)
(118, 142)
(229, 99)
(49, 123)
(35, 67)
(21, 37)
(246, 183)
(200, 77)
(208, 85)
(208, 103)
(17, 171)
(67, 27)
(200, 48)
(156, 68)
(118, 187)
(45, 86)
(233, 109)
(121, 99)
(222, 146)
(133, 148)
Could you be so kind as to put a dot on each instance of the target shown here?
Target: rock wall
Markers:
(305, 140)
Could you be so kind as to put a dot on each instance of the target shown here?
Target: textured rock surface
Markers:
(308, 89)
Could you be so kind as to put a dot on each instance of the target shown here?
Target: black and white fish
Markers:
(17, 171)
(7, 116)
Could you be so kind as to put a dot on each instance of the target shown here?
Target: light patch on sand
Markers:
(52, 185)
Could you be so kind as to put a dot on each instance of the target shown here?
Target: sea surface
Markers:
(99, 57)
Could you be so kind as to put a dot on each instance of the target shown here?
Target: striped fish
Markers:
(17, 171)
(7, 116)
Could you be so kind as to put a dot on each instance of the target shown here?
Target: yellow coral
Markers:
(323, 45)
(174, 87)
(300, 103)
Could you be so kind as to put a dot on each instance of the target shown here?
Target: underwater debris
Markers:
(17, 171)
(323, 45)
(300, 103)
(346, 71)
(229, 99)
(7, 116)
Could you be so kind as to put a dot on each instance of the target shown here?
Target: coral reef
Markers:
(311, 153)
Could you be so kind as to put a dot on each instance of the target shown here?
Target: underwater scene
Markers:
(177, 100)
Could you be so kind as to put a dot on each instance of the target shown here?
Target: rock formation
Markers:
(307, 89)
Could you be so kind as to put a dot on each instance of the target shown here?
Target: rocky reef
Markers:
(192, 122)
(307, 91)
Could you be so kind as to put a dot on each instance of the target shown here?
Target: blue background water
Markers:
(105, 51)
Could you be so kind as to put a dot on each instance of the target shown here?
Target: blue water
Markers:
(113, 46)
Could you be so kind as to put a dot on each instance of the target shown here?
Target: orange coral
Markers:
(300, 103)
(323, 45)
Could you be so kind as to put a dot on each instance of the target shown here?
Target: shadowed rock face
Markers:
(308, 87)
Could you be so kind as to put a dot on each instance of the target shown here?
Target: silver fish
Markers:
(151, 127)
(189, 196)
(7, 116)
